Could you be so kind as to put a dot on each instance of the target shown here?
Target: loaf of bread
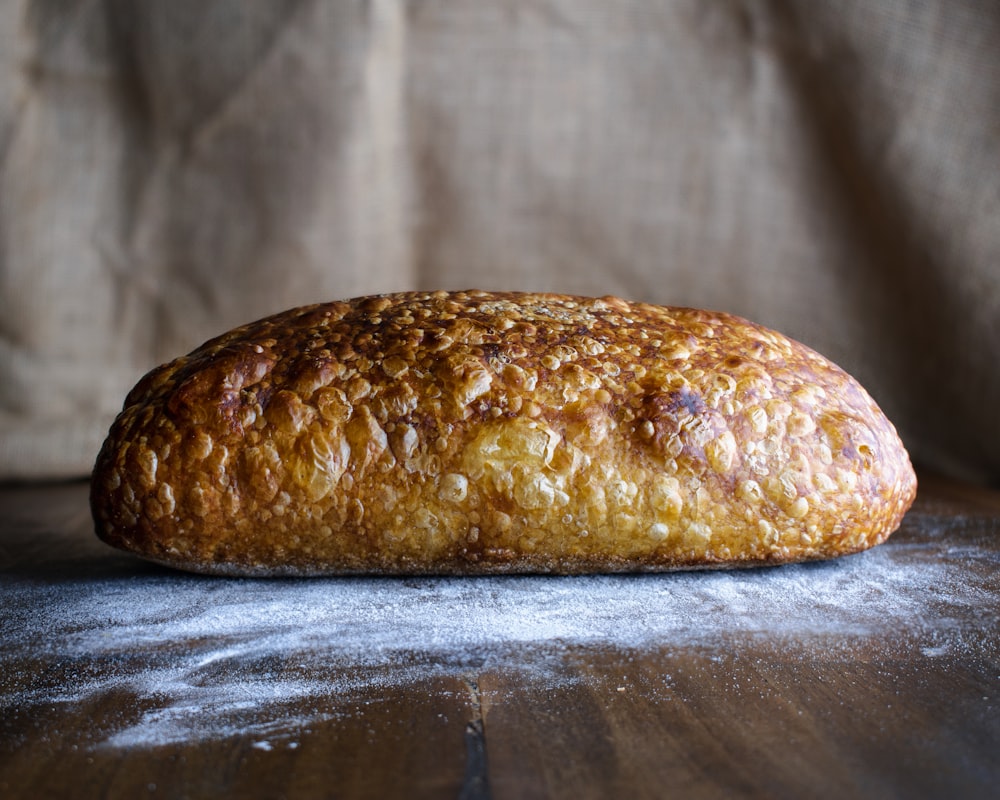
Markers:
(475, 432)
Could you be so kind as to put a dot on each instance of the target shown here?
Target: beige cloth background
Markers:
(171, 169)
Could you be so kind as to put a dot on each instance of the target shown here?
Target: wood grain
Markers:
(876, 713)
(757, 722)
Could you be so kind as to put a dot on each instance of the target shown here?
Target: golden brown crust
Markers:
(479, 432)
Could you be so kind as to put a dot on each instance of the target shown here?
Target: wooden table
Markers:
(872, 676)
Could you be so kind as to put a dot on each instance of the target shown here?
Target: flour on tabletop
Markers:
(267, 658)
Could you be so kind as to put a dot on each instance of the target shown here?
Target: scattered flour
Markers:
(204, 657)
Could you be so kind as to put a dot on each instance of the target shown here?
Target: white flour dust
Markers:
(203, 657)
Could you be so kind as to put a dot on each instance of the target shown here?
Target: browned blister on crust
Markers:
(477, 432)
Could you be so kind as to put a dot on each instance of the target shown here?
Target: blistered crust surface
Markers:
(483, 432)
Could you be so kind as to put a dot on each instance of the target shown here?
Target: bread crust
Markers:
(478, 432)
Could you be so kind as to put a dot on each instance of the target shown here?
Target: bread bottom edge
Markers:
(521, 567)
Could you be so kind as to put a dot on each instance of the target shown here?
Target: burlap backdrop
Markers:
(171, 169)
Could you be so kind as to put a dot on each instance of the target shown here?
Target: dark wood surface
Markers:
(121, 679)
